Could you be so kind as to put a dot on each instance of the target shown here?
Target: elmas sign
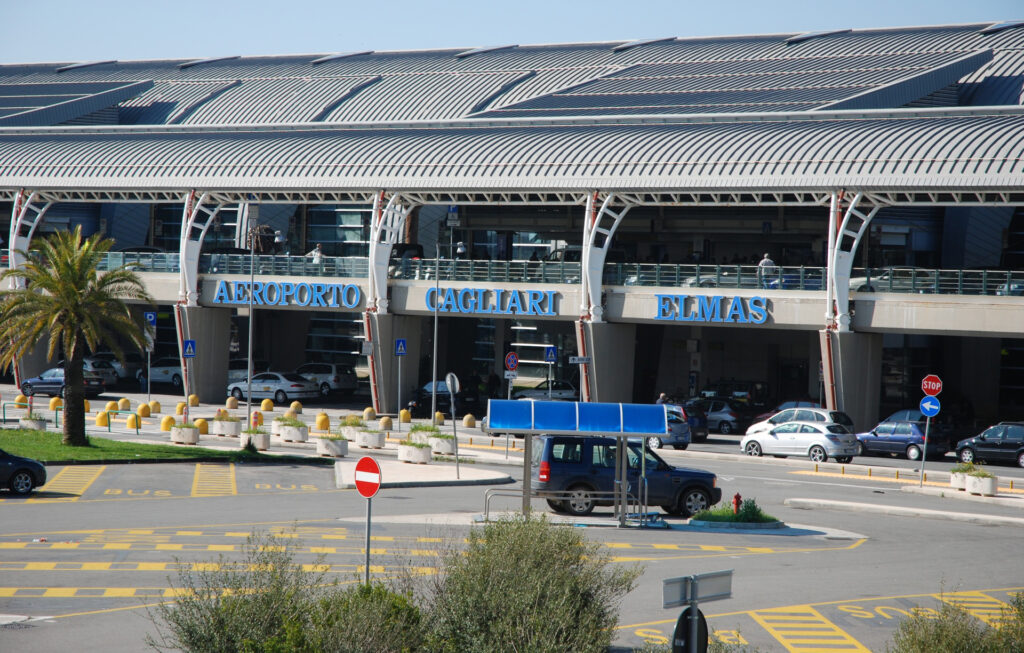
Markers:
(712, 308)
(273, 293)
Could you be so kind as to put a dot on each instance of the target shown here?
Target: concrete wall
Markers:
(858, 359)
(387, 328)
(211, 329)
(612, 348)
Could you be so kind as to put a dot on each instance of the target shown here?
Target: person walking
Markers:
(765, 270)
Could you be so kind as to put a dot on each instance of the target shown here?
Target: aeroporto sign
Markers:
(285, 293)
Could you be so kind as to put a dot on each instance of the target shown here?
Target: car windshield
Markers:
(295, 378)
(840, 418)
(837, 428)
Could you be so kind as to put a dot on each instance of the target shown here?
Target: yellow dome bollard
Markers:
(21, 399)
(87, 409)
(166, 423)
(267, 406)
(469, 421)
(231, 403)
(257, 418)
(385, 423)
(297, 406)
(439, 418)
(142, 410)
(193, 400)
(404, 416)
(180, 408)
(154, 407)
(111, 405)
(132, 422)
(202, 425)
(291, 413)
(56, 402)
(369, 414)
(323, 422)
(102, 419)
(124, 403)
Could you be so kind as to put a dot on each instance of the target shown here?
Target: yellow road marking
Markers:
(24, 566)
(802, 628)
(908, 478)
(214, 480)
(73, 480)
(982, 606)
(197, 547)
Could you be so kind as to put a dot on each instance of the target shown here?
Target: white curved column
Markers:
(195, 221)
(28, 213)
(843, 242)
(386, 230)
(598, 230)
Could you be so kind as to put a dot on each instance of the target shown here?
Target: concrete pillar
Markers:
(612, 348)
(34, 362)
(388, 328)
(282, 335)
(211, 329)
(857, 359)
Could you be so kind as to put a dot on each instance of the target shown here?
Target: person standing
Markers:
(765, 270)
(662, 399)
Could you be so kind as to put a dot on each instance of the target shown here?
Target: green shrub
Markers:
(418, 445)
(962, 468)
(424, 427)
(289, 421)
(980, 472)
(225, 418)
(254, 430)
(526, 585)
(955, 630)
(749, 513)
(188, 425)
(443, 436)
(353, 420)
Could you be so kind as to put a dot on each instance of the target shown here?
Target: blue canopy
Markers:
(522, 417)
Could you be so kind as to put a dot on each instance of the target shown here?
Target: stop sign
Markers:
(931, 385)
(367, 477)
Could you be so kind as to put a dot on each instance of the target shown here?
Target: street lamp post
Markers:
(253, 230)
(437, 291)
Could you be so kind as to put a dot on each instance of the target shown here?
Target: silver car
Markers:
(330, 377)
(819, 441)
(279, 386)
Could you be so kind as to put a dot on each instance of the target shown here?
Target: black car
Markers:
(698, 419)
(1002, 442)
(466, 401)
(578, 473)
(20, 475)
(51, 382)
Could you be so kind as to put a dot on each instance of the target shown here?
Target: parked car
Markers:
(679, 431)
(51, 382)
(819, 441)
(166, 370)
(330, 377)
(792, 403)
(238, 368)
(899, 278)
(723, 416)
(466, 401)
(100, 368)
(693, 411)
(133, 367)
(578, 473)
(999, 443)
(560, 390)
(21, 475)
(279, 386)
(820, 415)
(810, 279)
(902, 439)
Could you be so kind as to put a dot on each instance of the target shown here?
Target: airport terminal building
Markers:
(612, 201)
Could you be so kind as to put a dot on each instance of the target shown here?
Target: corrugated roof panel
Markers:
(166, 101)
(548, 81)
(295, 100)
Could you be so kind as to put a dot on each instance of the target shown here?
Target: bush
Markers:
(955, 630)
(749, 513)
(290, 421)
(525, 585)
(424, 427)
(353, 420)
(962, 468)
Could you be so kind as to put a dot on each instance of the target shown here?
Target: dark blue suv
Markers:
(578, 473)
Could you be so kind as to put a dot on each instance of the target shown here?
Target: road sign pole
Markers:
(366, 572)
(149, 378)
(550, 365)
(399, 393)
(924, 454)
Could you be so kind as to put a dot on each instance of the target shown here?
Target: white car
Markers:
(238, 368)
(100, 368)
(819, 441)
(560, 391)
(279, 386)
(804, 414)
(330, 377)
(166, 370)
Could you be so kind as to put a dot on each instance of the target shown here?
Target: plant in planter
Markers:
(980, 481)
(423, 432)
(351, 425)
(442, 443)
(291, 429)
(414, 452)
(257, 438)
(224, 424)
(958, 475)
(33, 421)
(332, 444)
(185, 433)
(368, 439)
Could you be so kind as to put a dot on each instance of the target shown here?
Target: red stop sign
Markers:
(931, 385)
(367, 477)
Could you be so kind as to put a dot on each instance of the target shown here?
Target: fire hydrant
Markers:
(736, 500)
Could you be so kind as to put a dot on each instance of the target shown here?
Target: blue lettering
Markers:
(431, 299)
(257, 292)
(463, 306)
(513, 299)
(277, 293)
(681, 314)
(551, 302)
(222, 293)
(736, 312)
(497, 301)
(666, 309)
(533, 299)
(480, 304)
(318, 294)
(350, 290)
(758, 310)
(287, 292)
(299, 299)
(237, 294)
(709, 307)
(449, 305)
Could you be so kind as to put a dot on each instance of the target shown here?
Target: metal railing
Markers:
(632, 500)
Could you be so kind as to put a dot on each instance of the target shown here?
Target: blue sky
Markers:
(73, 30)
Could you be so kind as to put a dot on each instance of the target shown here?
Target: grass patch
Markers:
(749, 513)
(47, 447)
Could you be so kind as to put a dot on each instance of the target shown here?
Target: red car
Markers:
(793, 403)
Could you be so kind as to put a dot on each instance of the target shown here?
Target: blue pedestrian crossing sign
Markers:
(150, 318)
(400, 349)
(550, 354)
(189, 349)
(930, 406)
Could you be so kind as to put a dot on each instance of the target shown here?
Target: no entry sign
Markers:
(931, 385)
(367, 477)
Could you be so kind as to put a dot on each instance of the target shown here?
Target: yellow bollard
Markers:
(111, 405)
(369, 414)
(385, 423)
(132, 422)
(124, 403)
(297, 406)
(193, 400)
(154, 407)
(231, 403)
(142, 410)
(267, 406)
(323, 422)
(87, 409)
(102, 419)
(291, 413)
(438, 418)
(469, 421)
(404, 416)
(56, 402)
(21, 399)
(202, 425)
(166, 423)
(180, 408)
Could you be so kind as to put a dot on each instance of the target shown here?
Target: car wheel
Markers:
(817, 454)
(325, 390)
(556, 506)
(861, 450)
(236, 393)
(280, 397)
(913, 452)
(63, 391)
(27, 389)
(753, 449)
(1020, 459)
(176, 380)
(654, 442)
(966, 455)
(580, 500)
(22, 482)
(843, 459)
(692, 501)
(680, 447)
(725, 428)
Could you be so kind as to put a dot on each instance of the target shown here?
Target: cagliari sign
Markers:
(274, 293)
(487, 301)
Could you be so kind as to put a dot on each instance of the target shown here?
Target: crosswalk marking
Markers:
(72, 481)
(804, 629)
(982, 606)
(214, 480)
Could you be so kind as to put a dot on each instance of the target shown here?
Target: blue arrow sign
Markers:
(930, 406)
(189, 349)
(150, 317)
(550, 354)
(400, 349)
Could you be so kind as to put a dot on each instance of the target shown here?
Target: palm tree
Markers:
(68, 301)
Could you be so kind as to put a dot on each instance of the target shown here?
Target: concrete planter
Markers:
(294, 433)
(34, 424)
(275, 427)
(412, 454)
(261, 441)
(334, 447)
(351, 433)
(370, 439)
(443, 446)
(422, 437)
(184, 435)
(958, 481)
(225, 428)
(983, 485)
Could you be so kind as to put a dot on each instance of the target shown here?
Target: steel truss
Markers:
(387, 228)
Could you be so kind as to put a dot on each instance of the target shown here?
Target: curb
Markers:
(898, 511)
(949, 493)
(737, 525)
